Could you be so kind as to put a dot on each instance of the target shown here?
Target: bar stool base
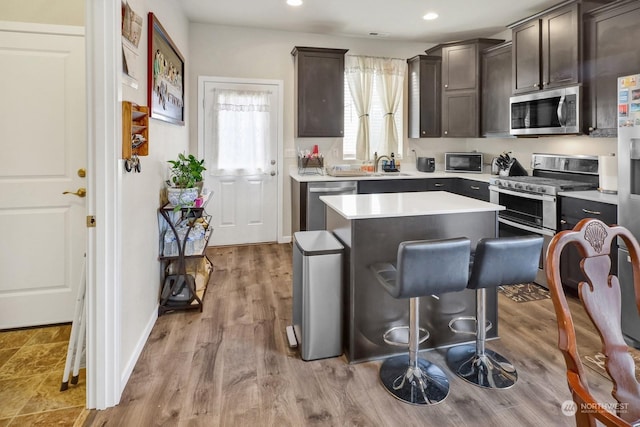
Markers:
(426, 385)
(490, 370)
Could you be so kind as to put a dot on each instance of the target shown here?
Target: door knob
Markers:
(82, 192)
(273, 173)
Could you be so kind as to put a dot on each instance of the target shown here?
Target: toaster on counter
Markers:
(426, 164)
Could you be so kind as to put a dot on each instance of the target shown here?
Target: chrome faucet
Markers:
(376, 159)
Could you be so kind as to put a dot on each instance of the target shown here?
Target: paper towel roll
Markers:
(608, 173)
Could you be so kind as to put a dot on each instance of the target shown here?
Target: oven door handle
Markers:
(543, 197)
(514, 224)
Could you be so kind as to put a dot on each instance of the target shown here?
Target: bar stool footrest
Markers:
(452, 322)
(399, 336)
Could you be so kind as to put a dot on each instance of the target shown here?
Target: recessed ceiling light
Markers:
(430, 16)
(294, 2)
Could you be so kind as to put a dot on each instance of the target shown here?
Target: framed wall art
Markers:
(165, 80)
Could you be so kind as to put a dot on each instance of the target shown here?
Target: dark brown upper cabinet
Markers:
(496, 90)
(319, 74)
(461, 77)
(546, 50)
(424, 96)
(611, 50)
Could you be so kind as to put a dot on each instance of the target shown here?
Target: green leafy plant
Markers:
(186, 171)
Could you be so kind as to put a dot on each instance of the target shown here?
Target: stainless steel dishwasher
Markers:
(316, 215)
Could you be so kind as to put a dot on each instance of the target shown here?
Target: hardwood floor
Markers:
(231, 365)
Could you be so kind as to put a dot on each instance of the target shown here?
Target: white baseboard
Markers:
(284, 239)
(131, 363)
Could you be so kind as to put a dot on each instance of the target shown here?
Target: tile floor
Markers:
(31, 368)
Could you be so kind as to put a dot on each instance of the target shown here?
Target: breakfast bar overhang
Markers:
(371, 226)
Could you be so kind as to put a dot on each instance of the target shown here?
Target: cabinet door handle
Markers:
(587, 211)
(535, 85)
(473, 187)
(438, 185)
(446, 132)
(563, 221)
(446, 86)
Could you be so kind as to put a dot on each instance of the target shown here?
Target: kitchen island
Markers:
(371, 226)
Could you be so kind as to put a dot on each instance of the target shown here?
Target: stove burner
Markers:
(537, 184)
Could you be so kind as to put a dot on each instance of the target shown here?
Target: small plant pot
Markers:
(182, 196)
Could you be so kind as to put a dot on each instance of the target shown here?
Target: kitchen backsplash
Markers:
(521, 148)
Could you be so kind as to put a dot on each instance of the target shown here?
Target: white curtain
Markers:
(359, 72)
(366, 75)
(390, 75)
(240, 131)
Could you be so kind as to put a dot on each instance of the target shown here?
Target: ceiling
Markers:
(399, 20)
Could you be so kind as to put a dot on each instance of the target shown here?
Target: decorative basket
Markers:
(311, 165)
(310, 162)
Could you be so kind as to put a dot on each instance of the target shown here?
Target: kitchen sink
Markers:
(389, 174)
(356, 173)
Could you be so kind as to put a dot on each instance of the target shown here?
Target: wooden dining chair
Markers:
(600, 295)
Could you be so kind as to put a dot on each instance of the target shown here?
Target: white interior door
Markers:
(42, 141)
(242, 175)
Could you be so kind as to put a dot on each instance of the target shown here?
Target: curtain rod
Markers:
(377, 57)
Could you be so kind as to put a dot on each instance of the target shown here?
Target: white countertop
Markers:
(388, 205)
(403, 175)
(593, 195)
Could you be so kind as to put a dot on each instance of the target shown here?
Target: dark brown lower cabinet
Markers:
(573, 210)
(474, 189)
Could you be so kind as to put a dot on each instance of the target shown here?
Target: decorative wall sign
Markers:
(165, 75)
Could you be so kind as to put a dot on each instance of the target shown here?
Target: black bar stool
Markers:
(425, 267)
(497, 262)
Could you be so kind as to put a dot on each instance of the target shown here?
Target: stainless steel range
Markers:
(531, 201)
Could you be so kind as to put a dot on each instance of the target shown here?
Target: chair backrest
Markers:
(505, 261)
(432, 267)
(601, 298)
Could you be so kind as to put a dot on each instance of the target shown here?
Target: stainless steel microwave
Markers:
(463, 162)
(548, 112)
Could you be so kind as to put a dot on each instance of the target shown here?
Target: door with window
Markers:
(240, 126)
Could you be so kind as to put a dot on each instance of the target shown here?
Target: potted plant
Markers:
(185, 181)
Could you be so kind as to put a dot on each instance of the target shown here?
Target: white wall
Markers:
(140, 194)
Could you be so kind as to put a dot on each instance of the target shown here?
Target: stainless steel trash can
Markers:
(317, 294)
